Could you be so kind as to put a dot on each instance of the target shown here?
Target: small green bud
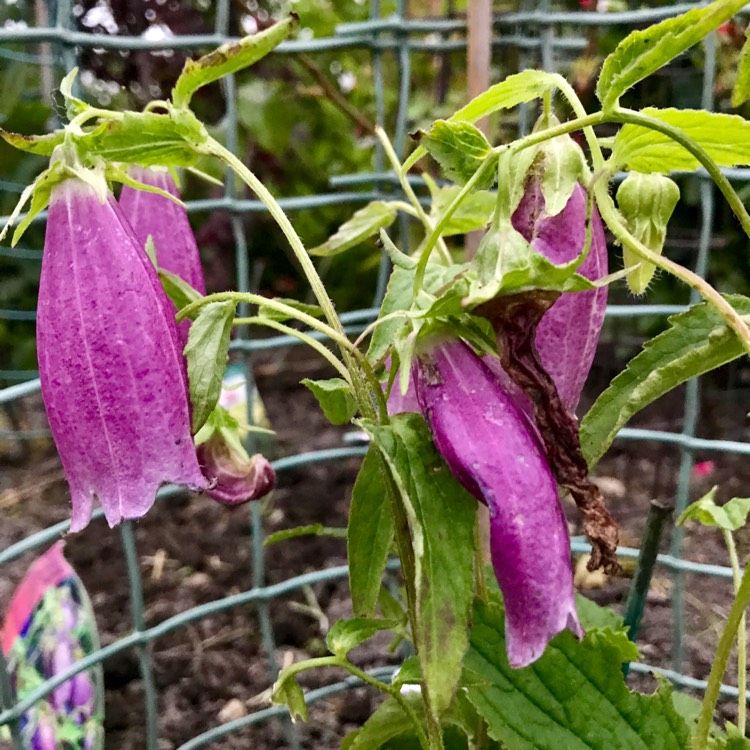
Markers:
(646, 202)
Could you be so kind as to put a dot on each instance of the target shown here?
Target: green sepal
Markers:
(729, 517)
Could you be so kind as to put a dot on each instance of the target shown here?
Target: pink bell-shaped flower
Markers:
(109, 360)
(492, 448)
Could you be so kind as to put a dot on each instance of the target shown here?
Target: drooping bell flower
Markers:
(491, 447)
(235, 477)
(166, 222)
(109, 360)
(568, 333)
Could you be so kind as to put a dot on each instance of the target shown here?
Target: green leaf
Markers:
(409, 672)
(43, 145)
(592, 615)
(741, 91)
(441, 519)
(348, 634)
(73, 105)
(729, 517)
(150, 249)
(400, 296)
(146, 138)
(335, 398)
(574, 697)
(563, 167)
(369, 535)
(515, 89)
(229, 58)
(206, 353)
(178, 290)
(474, 212)
(645, 51)
(287, 692)
(697, 341)
(459, 148)
(314, 529)
(365, 223)
(271, 313)
(726, 139)
(389, 722)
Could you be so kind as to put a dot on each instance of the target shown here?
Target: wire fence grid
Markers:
(542, 37)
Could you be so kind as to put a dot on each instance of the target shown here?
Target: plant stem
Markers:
(434, 235)
(324, 352)
(741, 637)
(735, 202)
(736, 613)
(395, 693)
(614, 221)
(409, 191)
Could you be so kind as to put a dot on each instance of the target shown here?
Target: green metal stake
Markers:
(658, 513)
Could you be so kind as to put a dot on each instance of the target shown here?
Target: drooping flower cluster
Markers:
(112, 372)
(483, 424)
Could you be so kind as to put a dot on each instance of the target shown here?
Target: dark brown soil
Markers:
(192, 551)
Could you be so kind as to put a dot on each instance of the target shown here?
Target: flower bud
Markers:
(45, 736)
(235, 477)
(567, 335)
(492, 449)
(110, 366)
(646, 202)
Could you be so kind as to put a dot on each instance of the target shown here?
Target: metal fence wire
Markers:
(535, 35)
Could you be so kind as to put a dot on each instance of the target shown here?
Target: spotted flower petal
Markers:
(491, 447)
(109, 361)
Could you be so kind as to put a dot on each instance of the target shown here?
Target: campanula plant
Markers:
(467, 389)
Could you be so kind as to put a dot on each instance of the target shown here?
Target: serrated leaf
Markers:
(348, 634)
(592, 615)
(729, 517)
(178, 290)
(726, 139)
(573, 697)
(271, 313)
(369, 535)
(441, 519)
(644, 51)
(365, 223)
(474, 212)
(460, 148)
(287, 692)
(741, 91)
(314, 529)
(229, 58)
(206, 353)
(335, 398)
(697, 341)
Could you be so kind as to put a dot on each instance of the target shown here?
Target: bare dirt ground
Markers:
(192, 550)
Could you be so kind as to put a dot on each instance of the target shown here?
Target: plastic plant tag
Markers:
(49, 626)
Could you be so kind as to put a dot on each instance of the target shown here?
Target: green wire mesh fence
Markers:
(535, 35)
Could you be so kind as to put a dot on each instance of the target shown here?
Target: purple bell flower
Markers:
(109, 361)
(151, 214)
(492, 448)
(45, 736)
(235, 477)
(567, 335)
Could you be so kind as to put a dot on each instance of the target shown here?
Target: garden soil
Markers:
(192, 550)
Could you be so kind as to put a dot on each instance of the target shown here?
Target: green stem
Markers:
(409, 192)
(741, 637)
(214, 148)
(258, 299)
(395, 693)
(614, 221)
(434, 235)
(324, 352)
(736, 613)
(628, 116)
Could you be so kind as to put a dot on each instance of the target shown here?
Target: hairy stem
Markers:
(409, 191)
(736, 613)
